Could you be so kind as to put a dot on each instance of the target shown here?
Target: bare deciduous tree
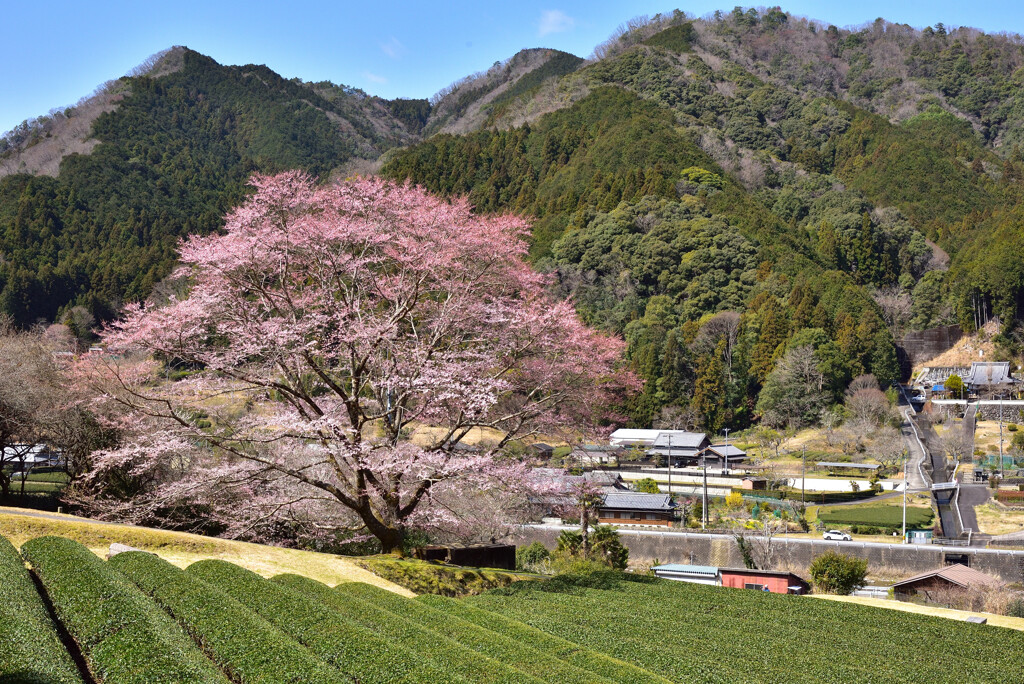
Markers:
(897, 308)
(888, 447)
(721, 326)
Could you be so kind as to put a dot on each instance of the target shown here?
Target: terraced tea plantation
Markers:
(71, 617)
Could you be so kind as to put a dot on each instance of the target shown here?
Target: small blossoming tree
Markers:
(339, 343)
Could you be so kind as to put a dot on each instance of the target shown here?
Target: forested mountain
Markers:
(756, 201)
(174, 152)
(732, 192)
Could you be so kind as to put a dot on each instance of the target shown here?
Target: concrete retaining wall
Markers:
(795, 555)
(922, 345)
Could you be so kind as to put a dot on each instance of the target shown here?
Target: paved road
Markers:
(916, 455)
(971, 495)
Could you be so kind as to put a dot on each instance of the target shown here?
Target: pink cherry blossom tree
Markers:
(339, 344)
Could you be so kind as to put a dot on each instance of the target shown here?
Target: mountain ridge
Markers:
(752, 179)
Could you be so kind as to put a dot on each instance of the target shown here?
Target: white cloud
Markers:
(374, 78)
(393, 48)
(555, 21)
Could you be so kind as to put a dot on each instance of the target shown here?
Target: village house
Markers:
(723, 456)
(679, 447)
(631, 508)
(594, 455)
(930, 585)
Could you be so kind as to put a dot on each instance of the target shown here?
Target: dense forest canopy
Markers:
(724, 192)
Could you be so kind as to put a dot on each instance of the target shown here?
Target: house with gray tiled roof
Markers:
(633, 508)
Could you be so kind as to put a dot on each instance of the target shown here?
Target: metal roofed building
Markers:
(633, 508)
(627, 437)
(695, 574)
(950, 577)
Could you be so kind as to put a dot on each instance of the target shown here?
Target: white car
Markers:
(836, 535)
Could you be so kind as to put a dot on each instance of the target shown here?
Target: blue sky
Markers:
(53, 54)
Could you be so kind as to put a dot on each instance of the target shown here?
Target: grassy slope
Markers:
(934, 611)
(183, 549)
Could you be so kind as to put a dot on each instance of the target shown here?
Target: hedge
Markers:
(598, 663)
(438, 648)
(124, 636)
(30, 649)
(247, 647)
(519, 655)
(424, 577)
(337, 640)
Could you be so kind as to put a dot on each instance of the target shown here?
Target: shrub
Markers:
(605, 548)
(357, 651)
(424, 577)
(30, 650)
(245, 646)
(734, 500)
(836, 573)
(446, 653)
(527, 557)
(1016, 608)
(647, 485)
(598, 663)
(124, 636)
(519, 655)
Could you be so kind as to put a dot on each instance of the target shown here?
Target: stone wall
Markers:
(795, 555)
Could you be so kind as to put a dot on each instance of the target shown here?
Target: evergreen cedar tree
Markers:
(324, 326)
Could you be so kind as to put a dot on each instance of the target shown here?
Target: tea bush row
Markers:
(520, 655)
(599, 663)
(434, 646)
(30, 649)
(124, 636)
(350, 647)
(247, 647)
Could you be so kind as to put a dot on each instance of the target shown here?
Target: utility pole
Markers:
(906, 462)
(1000, 436)
(670, 471)
(803, 480)
(726, 451)
(704, 508)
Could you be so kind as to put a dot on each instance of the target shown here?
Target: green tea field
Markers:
(68, 616)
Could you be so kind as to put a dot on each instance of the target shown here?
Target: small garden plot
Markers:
(881, 515)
